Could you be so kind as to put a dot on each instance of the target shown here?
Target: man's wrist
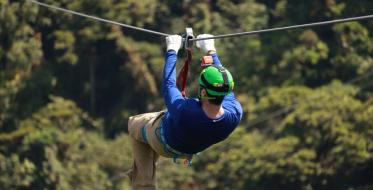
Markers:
(210, 52)
(172, 51)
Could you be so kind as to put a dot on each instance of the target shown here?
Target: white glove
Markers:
(173, 42)
(206, 45)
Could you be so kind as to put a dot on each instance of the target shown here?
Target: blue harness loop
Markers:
(143, 134)
(143, 129)
(167, 148)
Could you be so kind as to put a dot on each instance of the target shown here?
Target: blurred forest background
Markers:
(68, 85)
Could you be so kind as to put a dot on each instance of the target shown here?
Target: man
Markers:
(189, 125)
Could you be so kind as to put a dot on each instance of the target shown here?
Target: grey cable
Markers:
(198, 39)
(285, 28)
(98, 19)
(287, 109)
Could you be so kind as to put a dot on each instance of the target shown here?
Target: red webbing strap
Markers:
(183, 74)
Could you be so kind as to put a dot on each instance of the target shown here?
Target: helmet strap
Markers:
(224, 74)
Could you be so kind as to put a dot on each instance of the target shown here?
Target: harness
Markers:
(167, 148)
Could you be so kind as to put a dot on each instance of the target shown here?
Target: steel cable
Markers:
(213, 37)
(285, 28)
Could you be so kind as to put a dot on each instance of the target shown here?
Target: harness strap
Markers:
(183, 74)
(143, 134)
(143, 129)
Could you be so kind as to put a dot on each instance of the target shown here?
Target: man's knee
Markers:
(130, 126)
(134, 123)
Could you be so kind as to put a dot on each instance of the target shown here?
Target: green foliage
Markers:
(356, 45)
(60, 113)
(69, 84)
(174, 176)
(15, 173)
(265, 163)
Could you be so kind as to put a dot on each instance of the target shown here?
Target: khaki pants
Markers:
(145, 151)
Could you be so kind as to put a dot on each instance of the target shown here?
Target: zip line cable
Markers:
(287, 109)
(213, 37)
(97, 18)
(286, 28)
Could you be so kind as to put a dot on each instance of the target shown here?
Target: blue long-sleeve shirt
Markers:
(186, 126)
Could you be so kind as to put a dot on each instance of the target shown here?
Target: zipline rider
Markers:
(189, 125)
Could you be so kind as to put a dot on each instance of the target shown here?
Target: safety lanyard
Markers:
(183, 74)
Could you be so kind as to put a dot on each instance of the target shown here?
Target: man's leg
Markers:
(144, 166)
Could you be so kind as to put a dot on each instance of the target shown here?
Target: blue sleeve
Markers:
(230, 103)
(171, 94)
(216, 60)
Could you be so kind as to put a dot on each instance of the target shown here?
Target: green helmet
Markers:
(217, 80)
